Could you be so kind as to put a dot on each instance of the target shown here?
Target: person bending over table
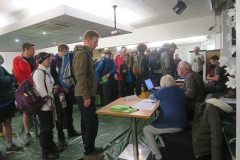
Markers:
(172, 117)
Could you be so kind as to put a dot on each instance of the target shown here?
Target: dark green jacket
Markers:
(206, 131)
(6, 80)
(84, 72)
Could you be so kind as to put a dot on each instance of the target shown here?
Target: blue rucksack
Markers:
(67, 78)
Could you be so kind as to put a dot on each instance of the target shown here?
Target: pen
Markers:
(133, 108)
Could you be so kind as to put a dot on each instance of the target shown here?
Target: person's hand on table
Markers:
(180, 85)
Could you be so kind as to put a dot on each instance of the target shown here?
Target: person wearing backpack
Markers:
(23, 66)
(118, 61)
(43, 82)
(127, 74)
(140, 68)
(106, 68)
(171, 52)
(164, 62)
(56, 65)
(7, 108)
(85, 92)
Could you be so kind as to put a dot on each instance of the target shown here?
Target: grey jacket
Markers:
(165, 63)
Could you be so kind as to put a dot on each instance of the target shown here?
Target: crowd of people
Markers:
(121, 76)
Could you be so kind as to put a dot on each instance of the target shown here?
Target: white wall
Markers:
(183, 50)
(8, 59)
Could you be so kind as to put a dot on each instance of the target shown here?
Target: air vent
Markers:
(52, 27)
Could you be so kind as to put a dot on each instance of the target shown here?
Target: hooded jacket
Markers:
(206, 131)
(22, 69)
(165, 62)
(6, 80)
(38, 79)
(108, 68)
(84, 72)
(118, 61)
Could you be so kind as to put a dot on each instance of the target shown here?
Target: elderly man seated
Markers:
(193, 87)
(219, 79)
(172, 117)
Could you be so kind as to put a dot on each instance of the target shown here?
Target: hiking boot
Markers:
(28, 139)
(50, 156)
(14, 149)
(93, 156)
(61, 143)
(74, 133)
(98, 149)
(2, 157)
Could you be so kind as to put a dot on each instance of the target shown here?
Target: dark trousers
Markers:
(121, 88)
(129, 88)
(108, 92)
(89, 124)
(68, 111)
(46, 133)
(201, 73)
(139, 83)
(159, 76)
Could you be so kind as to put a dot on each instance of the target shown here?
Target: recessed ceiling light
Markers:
(80, 37)
(16, 40)
(43, 32)
(54, 43)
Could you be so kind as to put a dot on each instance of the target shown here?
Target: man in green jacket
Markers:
(85, 91)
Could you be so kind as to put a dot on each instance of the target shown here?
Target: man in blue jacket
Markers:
(69, 95)
(105, 75)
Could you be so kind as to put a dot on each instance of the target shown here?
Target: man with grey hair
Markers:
(164, 61)
(197, 61)
(193, 87)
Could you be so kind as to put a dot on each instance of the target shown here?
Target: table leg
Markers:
(134, 134)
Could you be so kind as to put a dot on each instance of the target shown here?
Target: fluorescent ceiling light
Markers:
(177, 41)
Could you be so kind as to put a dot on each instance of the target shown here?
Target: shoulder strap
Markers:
(45, 73)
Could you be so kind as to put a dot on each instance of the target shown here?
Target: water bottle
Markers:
(143, 94)
(62, 100)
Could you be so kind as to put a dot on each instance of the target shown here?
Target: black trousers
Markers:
(46, 133)
(108, 92)
(159, 76)
(121, 92)
(129, 88)
(201, 73)
(139, 83)
(89, 124)
(68, 111)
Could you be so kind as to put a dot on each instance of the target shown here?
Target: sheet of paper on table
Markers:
(146, 104)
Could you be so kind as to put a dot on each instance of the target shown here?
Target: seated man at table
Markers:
(193, 87)
(219, 79)
(172, 117)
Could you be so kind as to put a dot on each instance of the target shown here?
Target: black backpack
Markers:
(155, 61)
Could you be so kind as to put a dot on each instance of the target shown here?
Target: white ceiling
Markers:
(137, 13)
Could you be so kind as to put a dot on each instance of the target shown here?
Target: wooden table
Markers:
(138, 114)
